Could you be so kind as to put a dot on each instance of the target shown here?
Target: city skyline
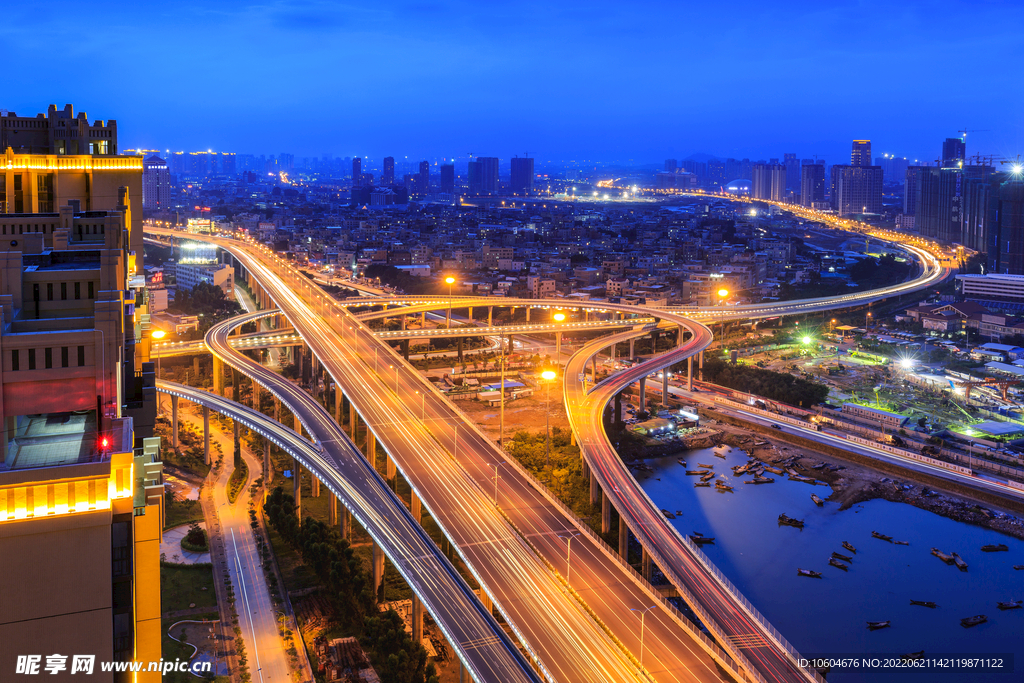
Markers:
(572, 83)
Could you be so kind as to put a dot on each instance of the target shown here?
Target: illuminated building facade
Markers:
(59, 131)
(156, 184)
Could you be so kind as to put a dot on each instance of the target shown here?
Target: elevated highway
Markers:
(475, 636)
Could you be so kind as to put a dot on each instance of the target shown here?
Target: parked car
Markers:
(776, 426)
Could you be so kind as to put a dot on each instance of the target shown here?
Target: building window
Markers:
(48, 358)
(31, 359)
(64, 361)
(44, 192)
(49, 291)
(81, 356)
(78, 291)
(19, 195)
(91, 293)
(15, 360)
(63, 291)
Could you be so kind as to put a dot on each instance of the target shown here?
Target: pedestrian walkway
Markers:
(171, 550)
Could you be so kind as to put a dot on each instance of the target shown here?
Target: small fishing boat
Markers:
(924, 603)
(968, 622)
(699, 473)
(844, 558)
(774, 470)
(806, 480)
(667, 513)
(681, 461)
(881, 537)
(722, 486)
(902, 542)
(836, 563)
(740, 470)
(701, 539)
(709, 476)
(818, 466)
(759, 480)
(719, 455)
(700, 464)
(1013, 604)
(817, 501)
(1001, 547)
(913, 656)
(704, 484)
(959, 562)
(846, 544)
(1018, 567)
(945, 557)
(787, 520)
(875, 625)
(792, 472)
(809, 572)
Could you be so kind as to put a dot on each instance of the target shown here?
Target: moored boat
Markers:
(945, 557)
(1013, 604)
(787, 520)
(701, 539)
(924, 603)
(681, 461)
(959, 562)
(774, 470)
(705, 484)
(1001, 547)
(1018, 567)
(806, 480)
(709, 476)
(759, 480)
(667, 513)
(809, 572)
(846, 544)
(968, 622)
(902, 542)
(844, 558)
(699, 473)
(700, 464)
(836, 563)
(722, 486)
(817, 501)
(881, 537)
(875, 625)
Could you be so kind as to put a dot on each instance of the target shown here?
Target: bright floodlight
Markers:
(723, 293)
(559, 317)
(807, 340)
(450, 280)
(548, 375)
(907, 363)
(1017, 169)
(158, 334)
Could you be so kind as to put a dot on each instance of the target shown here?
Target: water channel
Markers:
(827, 616)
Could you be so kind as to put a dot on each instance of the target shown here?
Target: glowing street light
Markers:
(451, 281)
(559, 317)
(807, 340)
(547, 376)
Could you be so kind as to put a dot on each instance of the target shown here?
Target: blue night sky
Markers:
(598, 81)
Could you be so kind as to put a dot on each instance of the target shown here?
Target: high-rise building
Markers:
(716, 172)
(812, 185)
(423, 179)
(1006, 224)
(950, 204)
(954, 152)
(447, 178)
(57, 132)
(357, 172)
(521, 182)
(671, 165)
(483, 175)
(387, 177)
(856, 190)
(792, 171)
(156, 184)
(860, 155)
(769, 182)
(894, 169)
(227, 164)
(81, 488)
(911, 188)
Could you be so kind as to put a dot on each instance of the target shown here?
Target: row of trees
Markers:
(395, 656)
(777, 386)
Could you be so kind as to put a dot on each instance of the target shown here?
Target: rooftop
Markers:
(53, 440)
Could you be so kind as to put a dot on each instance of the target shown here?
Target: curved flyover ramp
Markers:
(480, 642)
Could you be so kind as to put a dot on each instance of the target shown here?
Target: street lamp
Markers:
(451, 281)
(643, 612)
(158, 334)
(568, 553)
(496, 465)
(547, 376)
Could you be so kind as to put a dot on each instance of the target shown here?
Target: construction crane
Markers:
(963, 132)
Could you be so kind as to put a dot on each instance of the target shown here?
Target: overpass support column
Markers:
(643, 393)
(490, 316)
(558, 349)
(389, 463)
(632, 349)
(206, 435)
(528, 308)
(346, 524)
(647, 566)
(700, 364)
(487, 602)
(218, 376)
(371, 448)
(417, 619)
(623, 539)
(332, 510)
(297, 425)
(236, 386)
(611, 352)
(297, 487)
(689, 373)
(403, 321)
(664, 387)
(423, 319)
(606, 513)
(680, 336)
(174, 421)
(416, 507)
(268, 471)
(353, 420)
(586, 315)
(469, 314)
(378, 570)
(594, 359)
(338, 400)
(595, 490)
(314, 485)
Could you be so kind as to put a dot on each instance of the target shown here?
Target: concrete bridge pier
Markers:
(339, 399)
(389, 464)
(632, 349)
(268, 471)
(174, 421)
(416, 507)
(332, 510)
(315, 487)
(297, 487)
(371, 448)
(611, 351)
(206, 435)
(623, 539)
(378, 570)
(423, 319)
(606, 513)
(469, 314)
(595, 489)
(558, 348)
(346, 524)
(403, 319)
(689, 373)
(417, 619)
(218, 376)
(643, 393)
(700, 364)
(586, 315)
(664, 387)
(528, 308)
(490, 316)
(648, 566)
(486, 600)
